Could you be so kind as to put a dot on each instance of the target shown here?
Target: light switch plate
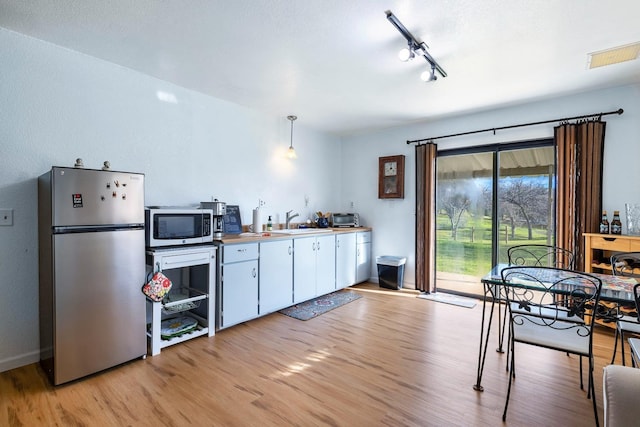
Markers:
(6, 216)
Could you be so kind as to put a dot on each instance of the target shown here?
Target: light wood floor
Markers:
(385, 359)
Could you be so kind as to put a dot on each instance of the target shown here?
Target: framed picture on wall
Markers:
(391, 177)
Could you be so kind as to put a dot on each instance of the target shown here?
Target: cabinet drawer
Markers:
(610, 243)
(237, 253)
(179, 261)
(634, 245)
(363, 237)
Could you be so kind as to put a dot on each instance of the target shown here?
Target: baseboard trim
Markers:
(18, 361)
(406, 284)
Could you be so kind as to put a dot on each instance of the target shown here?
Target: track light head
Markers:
(406, 54)
(409, 52)
(429, 75)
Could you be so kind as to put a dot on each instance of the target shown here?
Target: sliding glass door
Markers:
(526, 198)
(464, 220)
(487, 200)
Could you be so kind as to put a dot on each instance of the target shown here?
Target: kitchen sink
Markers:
(302, 231)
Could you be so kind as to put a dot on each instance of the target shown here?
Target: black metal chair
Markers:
(626, 264)
(634, 345)
(547, 308)
(541, 256)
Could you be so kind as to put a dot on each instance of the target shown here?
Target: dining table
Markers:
(615, 289)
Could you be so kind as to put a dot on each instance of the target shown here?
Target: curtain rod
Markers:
(618, 111)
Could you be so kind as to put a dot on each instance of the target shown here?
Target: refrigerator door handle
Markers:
(67, 229)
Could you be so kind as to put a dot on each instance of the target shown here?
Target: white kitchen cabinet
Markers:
(237, 284)
(345, 260)
(258, 276)
(304, 269)
(363, 256)
(276, 275)
(314, 267)
(325, 264)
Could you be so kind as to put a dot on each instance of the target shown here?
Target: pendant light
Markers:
(291, 153)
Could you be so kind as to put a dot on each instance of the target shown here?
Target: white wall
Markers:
(58, 105)
(393, 221)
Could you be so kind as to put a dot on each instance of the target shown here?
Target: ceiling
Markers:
(334, 63)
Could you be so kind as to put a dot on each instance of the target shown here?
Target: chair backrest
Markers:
(626, 264)
(541, 256)
(636, 299)
(553, 297)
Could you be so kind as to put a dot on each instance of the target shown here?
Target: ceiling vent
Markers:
(614, 55)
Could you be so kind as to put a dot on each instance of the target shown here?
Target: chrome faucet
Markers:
(289, 218)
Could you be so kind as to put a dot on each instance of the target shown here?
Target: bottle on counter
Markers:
(269, 224)
(604, 223)
(616, 224)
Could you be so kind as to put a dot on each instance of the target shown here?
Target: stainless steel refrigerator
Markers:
(92, 268)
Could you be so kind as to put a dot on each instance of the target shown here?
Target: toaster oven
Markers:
(345, 220)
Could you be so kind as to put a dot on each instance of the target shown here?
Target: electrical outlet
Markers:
(6, 216)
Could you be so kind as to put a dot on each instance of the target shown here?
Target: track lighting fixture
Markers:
(291, 153)
(415, 47)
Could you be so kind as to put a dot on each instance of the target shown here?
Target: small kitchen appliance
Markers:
(345, 220)
(219, 211)
(177, 226)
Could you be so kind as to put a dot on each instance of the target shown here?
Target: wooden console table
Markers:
(598, 249)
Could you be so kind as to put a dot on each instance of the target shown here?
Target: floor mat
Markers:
(317, 306)
(449, 299)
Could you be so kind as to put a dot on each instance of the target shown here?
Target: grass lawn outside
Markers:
(470, 253)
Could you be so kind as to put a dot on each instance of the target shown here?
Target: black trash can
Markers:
(390, 271)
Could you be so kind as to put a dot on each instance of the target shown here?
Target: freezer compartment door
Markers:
(84, 197)
(99, 309)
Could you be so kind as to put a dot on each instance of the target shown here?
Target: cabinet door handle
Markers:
(318, 245)
(289, 250)
(253, 272)
(313, 246)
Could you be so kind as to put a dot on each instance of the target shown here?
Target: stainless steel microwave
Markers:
(169, 226)
(345, 220)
